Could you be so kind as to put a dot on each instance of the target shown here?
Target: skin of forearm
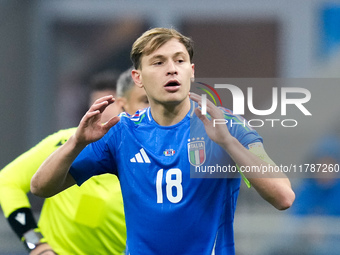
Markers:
(52, 175)
(273, 187)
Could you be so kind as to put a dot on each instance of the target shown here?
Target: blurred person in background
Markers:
(130, 97)
(81, 220)
(317, 204)
(319, 195)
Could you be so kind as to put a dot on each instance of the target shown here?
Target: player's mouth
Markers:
(172, 86)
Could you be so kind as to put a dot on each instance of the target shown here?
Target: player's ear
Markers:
(192, 71)
(137, 77)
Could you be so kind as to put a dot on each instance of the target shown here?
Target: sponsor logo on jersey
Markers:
(196, 151)
(140, 157)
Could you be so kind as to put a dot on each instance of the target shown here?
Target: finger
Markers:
(90, 114)
(202, 117)
(111, 122)
(104, 98)
(89, 117)
(198, 99)
(101, 106)
(211, 109)
(194, 97)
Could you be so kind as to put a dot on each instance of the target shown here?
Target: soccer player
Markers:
(82, 220)
(129, 96)
(166, 211)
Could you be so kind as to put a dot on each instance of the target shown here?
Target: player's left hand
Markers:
(216, 132)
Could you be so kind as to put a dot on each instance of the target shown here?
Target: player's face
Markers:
(110, 111)
(136, 100)
(166, 74)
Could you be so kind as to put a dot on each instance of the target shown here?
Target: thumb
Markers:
(111, 122)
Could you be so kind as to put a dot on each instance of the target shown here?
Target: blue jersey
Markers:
(167, 211)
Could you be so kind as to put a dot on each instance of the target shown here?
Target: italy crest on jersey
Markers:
(196, 151)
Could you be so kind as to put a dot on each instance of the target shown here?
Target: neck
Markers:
(169, 114)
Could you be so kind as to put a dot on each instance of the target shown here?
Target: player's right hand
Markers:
(91, 128)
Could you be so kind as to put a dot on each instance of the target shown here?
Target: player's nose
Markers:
(171, 68)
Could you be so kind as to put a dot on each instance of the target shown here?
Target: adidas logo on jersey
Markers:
(140, 157)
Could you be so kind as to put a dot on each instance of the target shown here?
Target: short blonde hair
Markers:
(153, 39)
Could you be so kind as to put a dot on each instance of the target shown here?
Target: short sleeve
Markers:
(96, 158)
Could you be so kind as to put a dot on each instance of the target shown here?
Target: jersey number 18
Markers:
(174, 189)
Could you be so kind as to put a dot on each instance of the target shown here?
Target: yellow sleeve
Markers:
(15, 178)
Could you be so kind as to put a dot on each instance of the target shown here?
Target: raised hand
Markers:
(217, 132)
(91, 128)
